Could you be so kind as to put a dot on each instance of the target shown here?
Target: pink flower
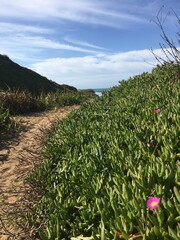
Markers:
(157, 110)
(148, 144)
(153, 202)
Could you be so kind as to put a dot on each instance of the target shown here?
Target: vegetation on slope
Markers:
(19, 102)
(6, 123)
(24, 91)
(13, 76)
(104, 161)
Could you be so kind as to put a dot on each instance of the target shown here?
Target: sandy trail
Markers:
(17, 158)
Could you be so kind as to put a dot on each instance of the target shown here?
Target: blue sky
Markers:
(85, 43)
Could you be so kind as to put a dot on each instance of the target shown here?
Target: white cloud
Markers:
(119, 14)
(96, 71)
(83, 43)
(40, 42)
(28, 47)
(15, 28)
(89, 11)
(24, 38)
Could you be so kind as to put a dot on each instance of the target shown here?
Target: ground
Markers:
(19, 155)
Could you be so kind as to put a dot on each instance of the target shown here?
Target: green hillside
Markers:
(111, 169)
(14, 76)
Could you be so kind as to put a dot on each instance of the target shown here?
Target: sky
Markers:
(85, 43)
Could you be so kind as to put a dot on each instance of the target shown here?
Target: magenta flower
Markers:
(153, 202)
(157, 110)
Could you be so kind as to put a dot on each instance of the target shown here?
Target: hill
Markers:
(13, 76)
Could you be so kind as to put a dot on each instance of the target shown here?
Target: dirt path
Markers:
(18, 156)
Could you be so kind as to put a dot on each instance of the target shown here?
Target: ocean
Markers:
(99, 91)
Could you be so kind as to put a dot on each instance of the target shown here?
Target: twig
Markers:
(6, 230)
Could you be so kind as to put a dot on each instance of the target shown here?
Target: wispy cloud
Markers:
(15, 28)
(40, 42)
(88, 12)
(83, 43)
(27, 47)
(96, 71)
(115, 14)
(37, 32)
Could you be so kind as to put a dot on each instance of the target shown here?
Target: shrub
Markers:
(19, 102)
(66, 98)
(6, 123)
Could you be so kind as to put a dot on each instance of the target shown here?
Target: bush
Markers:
(104, 161)
(19, 102)
(66, 98)
(6, 123)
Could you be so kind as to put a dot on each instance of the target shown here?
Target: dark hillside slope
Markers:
(13, 76)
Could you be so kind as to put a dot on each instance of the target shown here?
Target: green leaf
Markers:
(172, 233)
(176, 192)
(153, 220)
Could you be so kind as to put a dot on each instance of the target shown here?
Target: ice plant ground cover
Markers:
(105, 161)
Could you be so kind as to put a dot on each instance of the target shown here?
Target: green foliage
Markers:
(6, 122)
(103, 162)
(19, 102)
(66, 98)
(167, 73)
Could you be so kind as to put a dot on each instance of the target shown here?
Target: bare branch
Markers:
(169, 48)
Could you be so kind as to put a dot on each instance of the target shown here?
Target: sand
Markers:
(19, 155)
